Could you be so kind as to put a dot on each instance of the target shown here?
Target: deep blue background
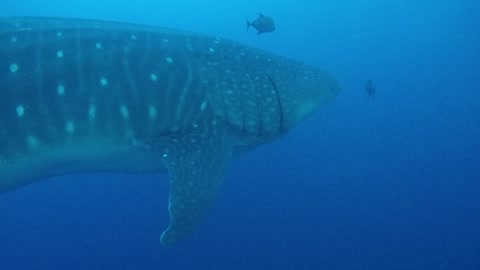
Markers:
(390, 183)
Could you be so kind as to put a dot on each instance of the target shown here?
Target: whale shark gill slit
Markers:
(279, 102)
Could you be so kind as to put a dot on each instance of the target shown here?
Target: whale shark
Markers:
(79, 96)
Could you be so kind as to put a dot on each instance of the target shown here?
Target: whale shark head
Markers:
(90, 96)
(308, 90)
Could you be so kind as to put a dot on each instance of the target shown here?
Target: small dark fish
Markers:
(263, 24)
(370, 88)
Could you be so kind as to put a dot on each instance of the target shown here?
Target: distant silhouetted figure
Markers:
(263, 24)
(370, 88)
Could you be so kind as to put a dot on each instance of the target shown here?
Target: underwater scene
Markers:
(200, 134)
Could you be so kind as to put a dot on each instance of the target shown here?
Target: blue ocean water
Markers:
(389, 183)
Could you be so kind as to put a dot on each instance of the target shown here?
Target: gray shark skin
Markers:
(90, 96)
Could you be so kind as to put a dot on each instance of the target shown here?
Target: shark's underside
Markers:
(90, 96)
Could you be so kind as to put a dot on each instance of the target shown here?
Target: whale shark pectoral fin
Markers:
(196, 163)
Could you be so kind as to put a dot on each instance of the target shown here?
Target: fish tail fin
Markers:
(248, 24)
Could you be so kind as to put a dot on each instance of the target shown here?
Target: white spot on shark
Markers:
(98, 45)
(61, 89)
(59, 54)
(133, 37)
(165, 40)
(152, 112)
(211, 50)
(92, 113)
(203, 105)
(154, 77)
(124, 111)
(13, 68)
(20, 111)
(103, 81)
(32, 141)
(169, 59)
(13, 39)
(70, 127)
(59, 34)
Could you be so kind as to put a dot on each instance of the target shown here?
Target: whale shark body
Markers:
(90, 96)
